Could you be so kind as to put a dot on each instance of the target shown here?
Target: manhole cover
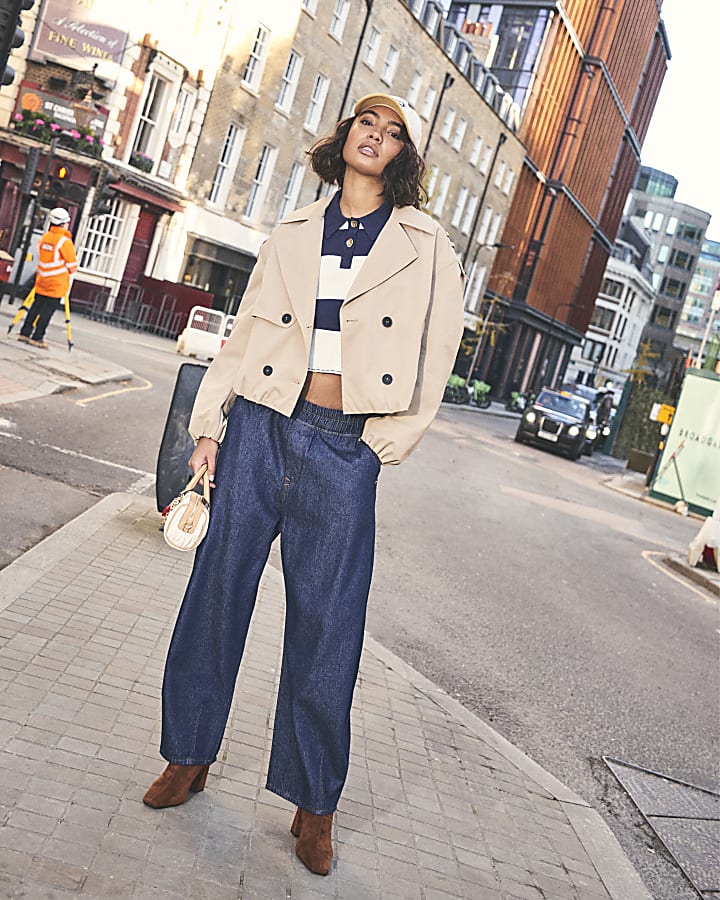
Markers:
(686, 819)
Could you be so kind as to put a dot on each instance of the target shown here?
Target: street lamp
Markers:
(488, 315)
(502, 137)
(353, 65)
(448, 82)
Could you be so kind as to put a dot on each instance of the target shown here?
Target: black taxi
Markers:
(559, 420)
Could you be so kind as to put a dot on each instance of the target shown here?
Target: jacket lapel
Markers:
(299, 243)
(392, 251)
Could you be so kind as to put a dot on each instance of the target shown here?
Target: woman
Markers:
(336, 365)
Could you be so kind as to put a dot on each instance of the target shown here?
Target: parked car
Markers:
(559, 420)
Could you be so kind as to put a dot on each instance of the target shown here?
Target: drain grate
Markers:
(686, 818)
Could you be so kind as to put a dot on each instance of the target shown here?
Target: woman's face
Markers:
(375, 138)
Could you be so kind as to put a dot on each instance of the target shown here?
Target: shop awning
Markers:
(137, 193)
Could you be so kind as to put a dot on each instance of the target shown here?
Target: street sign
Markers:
(662, 412)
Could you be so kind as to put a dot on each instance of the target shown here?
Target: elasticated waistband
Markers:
(328, 419)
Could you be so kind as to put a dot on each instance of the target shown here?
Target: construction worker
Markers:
(57, 263)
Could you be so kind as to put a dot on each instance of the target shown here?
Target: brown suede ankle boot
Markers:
(174, 785)
(297, 822)
(314, 846)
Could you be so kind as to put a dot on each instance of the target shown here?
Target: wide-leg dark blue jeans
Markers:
(309, 478)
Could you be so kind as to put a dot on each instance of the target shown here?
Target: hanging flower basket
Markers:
(141, 161)
(42, 127)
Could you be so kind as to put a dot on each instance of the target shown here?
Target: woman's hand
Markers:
(205, 452)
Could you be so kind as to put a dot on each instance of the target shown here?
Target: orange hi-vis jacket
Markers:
(57, 262)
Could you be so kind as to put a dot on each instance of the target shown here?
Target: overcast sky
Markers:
(682, 139)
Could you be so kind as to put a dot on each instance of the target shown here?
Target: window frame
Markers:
(293, 186)
(338, 19)
(255, 64)
(316, 104)
(372, 48)
(260, 183)
(390, 65)
(226, 165)
(289, 82)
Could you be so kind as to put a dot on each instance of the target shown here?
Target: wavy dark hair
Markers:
(402, 177)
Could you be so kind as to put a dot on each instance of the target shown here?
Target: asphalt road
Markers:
(513, 578)
(525, 587)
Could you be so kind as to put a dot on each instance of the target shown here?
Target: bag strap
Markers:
(195, 480)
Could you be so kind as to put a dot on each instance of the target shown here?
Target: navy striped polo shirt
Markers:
(345, 246)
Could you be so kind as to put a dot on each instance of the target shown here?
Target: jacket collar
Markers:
(299, 243)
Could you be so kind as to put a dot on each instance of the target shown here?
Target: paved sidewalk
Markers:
(437, 804)
(27, 372)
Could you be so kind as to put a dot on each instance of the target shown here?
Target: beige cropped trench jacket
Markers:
(400, 328)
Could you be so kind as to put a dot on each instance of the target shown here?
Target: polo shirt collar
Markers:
(372, 223)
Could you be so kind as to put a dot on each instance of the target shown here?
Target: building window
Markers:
(602, 318)
(495, 230)
(671, 287)
(671, 225)
(414, 89)
(317, 103)
(256, 60)
(310, 6)
(431, 182)
(459, 135)
(259, 186)
(439, 203)
(459, 207)
(225, 169)
(500, 174)
(100, 245)
(509, 179)
(612, 288)
(447, 124)
(371, 48)
(390, 65)
(289, 81)
(469, 214)
(473, 291)
(475, 153)
(484, 225)
(428, 102)
(339, 18)
(181, 115)
(153, 108)
(292, 189)
(485, 161)
(687, 232)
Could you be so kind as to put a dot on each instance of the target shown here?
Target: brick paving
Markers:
(436, 805)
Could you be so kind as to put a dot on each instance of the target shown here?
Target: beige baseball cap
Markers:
(405, 112)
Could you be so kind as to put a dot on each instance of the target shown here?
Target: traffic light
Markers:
(104, 197)
(11, 35)
(60, 180)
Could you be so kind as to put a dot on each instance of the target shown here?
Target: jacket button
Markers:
(387, 321)
(287, 318)
(387, 379)
(267, 370)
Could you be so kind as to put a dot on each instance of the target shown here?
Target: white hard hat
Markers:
(59, 216)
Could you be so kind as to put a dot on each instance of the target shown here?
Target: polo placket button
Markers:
(267, 370)
(387, 322)
(387, 379)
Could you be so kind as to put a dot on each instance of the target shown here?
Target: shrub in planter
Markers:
(141, 161)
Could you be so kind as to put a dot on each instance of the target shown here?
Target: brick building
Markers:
(586, 76)
(117, 94)
(289, 73)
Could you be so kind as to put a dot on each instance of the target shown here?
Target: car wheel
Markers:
(576, 454)
(519, 438)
